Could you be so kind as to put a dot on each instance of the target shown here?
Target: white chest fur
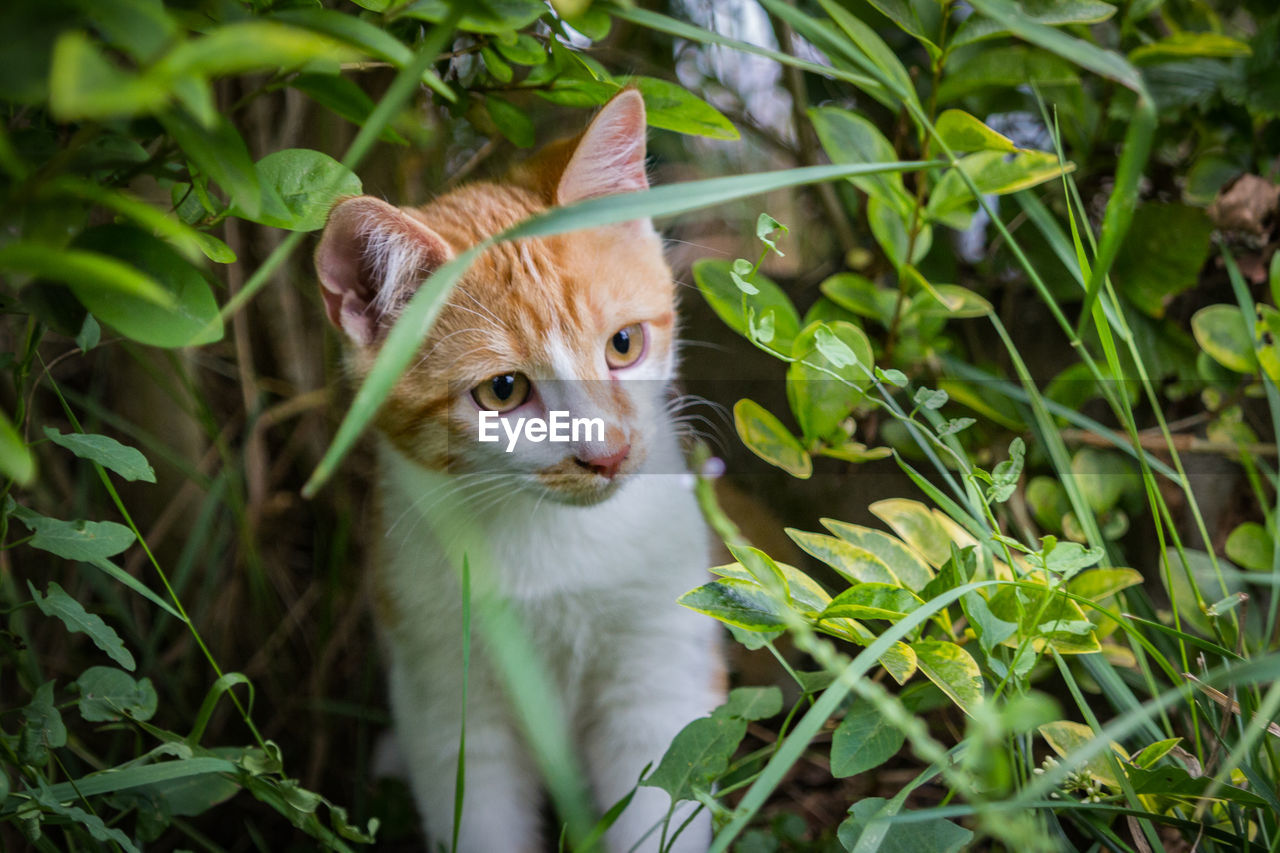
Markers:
(596, 587)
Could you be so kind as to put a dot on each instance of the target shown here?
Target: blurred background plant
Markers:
(1061, 338)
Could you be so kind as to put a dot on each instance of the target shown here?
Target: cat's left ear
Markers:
(609, 157)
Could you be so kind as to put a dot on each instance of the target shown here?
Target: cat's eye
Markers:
(502, 393)
(625, 347)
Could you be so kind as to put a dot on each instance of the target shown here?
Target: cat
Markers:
(590, 541)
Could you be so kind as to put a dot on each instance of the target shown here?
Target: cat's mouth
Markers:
(585, 482)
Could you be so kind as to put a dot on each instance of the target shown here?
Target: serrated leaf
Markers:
(126, 461)
(55, 602)
(107, 695)
(863, 741)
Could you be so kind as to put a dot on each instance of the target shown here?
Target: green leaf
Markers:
(1151, 269)
(57, 603)
(307, 182)
(953, 669)
(511, 121)
(752, 703)
(220, 153)
(1176, 782)
(1099, 584)
(126, 461)
(916, 526)
(861, 296)
(765, 436)
(1156, 751)
(1006, 68)
(16, 460)
(193, 318)
(962, 132)
(252, 45)
(715, 280)
(524, 49)
(872, 601)
(908, 567)
(108, 695)
(854, 564)
(72, 540)
(884, 62)
(1103, 476)
(850, 138)
(1187, 45)
(991, 629)
(1048, 501)
(88, 271)
(1222, 333)
(1055, 13)
(343, 97)
(492, 16)
(43, 728)
(738, 602)
(821, 402)
(929, 398)
(1062, 624)
(801, 590)
(993, 173)
(906, 15)
(863, 741)
(115, 779)
(936, 835)
(670, 106)
(84, 84)
(93, 824)
(1069, 558)
(766, 229)
(698, 755)
(365, 36)
(1250, 547)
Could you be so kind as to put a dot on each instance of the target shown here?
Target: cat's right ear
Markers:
(370, 260)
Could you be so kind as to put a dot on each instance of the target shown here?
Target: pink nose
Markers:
(606, 465)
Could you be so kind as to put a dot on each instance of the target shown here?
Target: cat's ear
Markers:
(370, 260)
(609, 157)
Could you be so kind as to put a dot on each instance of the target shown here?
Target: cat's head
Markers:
(580, 323)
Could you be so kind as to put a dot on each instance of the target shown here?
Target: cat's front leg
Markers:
(643, 695)
(502, 798)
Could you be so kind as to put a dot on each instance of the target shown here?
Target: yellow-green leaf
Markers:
(954, 671)
(767, 438)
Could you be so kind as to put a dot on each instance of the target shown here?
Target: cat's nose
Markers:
(606, 465)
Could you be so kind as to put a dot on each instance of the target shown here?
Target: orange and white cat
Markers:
(591, 541)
